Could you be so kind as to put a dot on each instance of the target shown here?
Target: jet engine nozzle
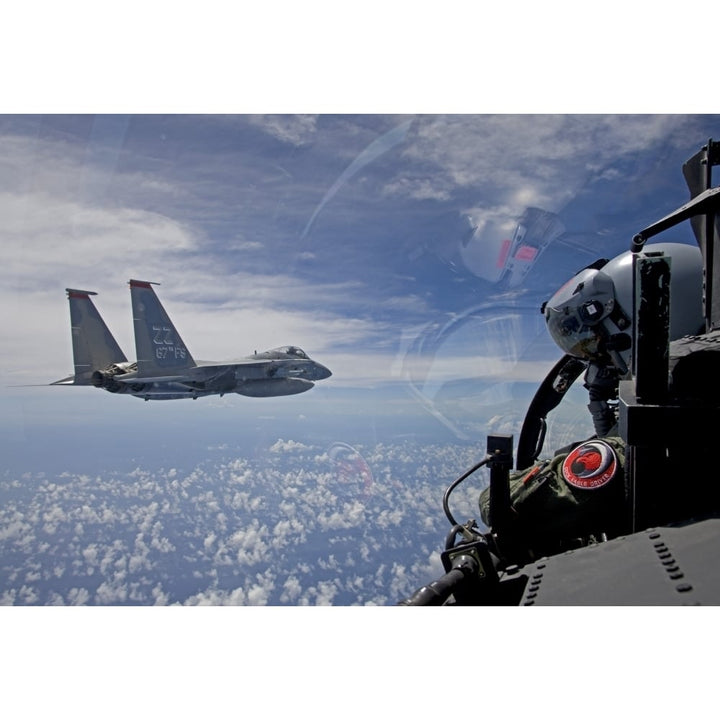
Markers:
(105, 379)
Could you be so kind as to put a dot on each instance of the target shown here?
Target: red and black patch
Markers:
(590, 465)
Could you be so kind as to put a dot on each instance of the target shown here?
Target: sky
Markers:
(356, 229)
(373, 242)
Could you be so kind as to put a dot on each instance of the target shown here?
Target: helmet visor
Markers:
(571, 335)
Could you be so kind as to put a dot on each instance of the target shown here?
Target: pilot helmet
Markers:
(592, 313)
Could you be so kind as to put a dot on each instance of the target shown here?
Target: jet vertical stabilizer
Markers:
(94, 347)
(160, 349)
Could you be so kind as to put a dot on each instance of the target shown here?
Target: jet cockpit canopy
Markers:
(293, 350)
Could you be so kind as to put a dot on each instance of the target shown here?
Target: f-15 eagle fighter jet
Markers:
(165, 369)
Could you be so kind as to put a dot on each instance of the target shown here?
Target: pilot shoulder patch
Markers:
(590, 465)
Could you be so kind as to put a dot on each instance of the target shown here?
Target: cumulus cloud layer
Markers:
(292, 529)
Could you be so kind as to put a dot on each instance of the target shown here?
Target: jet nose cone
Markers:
(321, 372)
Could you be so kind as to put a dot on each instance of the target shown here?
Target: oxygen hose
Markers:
(463, 477)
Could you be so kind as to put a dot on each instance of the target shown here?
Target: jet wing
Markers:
(68, 381)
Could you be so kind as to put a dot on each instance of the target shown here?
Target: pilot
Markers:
(590, 318)
(577, 495)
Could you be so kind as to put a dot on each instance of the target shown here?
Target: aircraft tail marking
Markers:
(94, 347)
(160, 349)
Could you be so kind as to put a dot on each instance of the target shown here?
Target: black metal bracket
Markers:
(500, 450)
(706, 202)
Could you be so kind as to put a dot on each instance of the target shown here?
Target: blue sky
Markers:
(371, 241)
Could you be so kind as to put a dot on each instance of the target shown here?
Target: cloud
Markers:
(508, 158)
(296, 130)
(216, 596)
(323, 594)
(292, 589)
(419, 188)
(148, 540)
(46, 237)
(240, 245)
(283, 446)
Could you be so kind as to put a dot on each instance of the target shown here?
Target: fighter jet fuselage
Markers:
(165, 369)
